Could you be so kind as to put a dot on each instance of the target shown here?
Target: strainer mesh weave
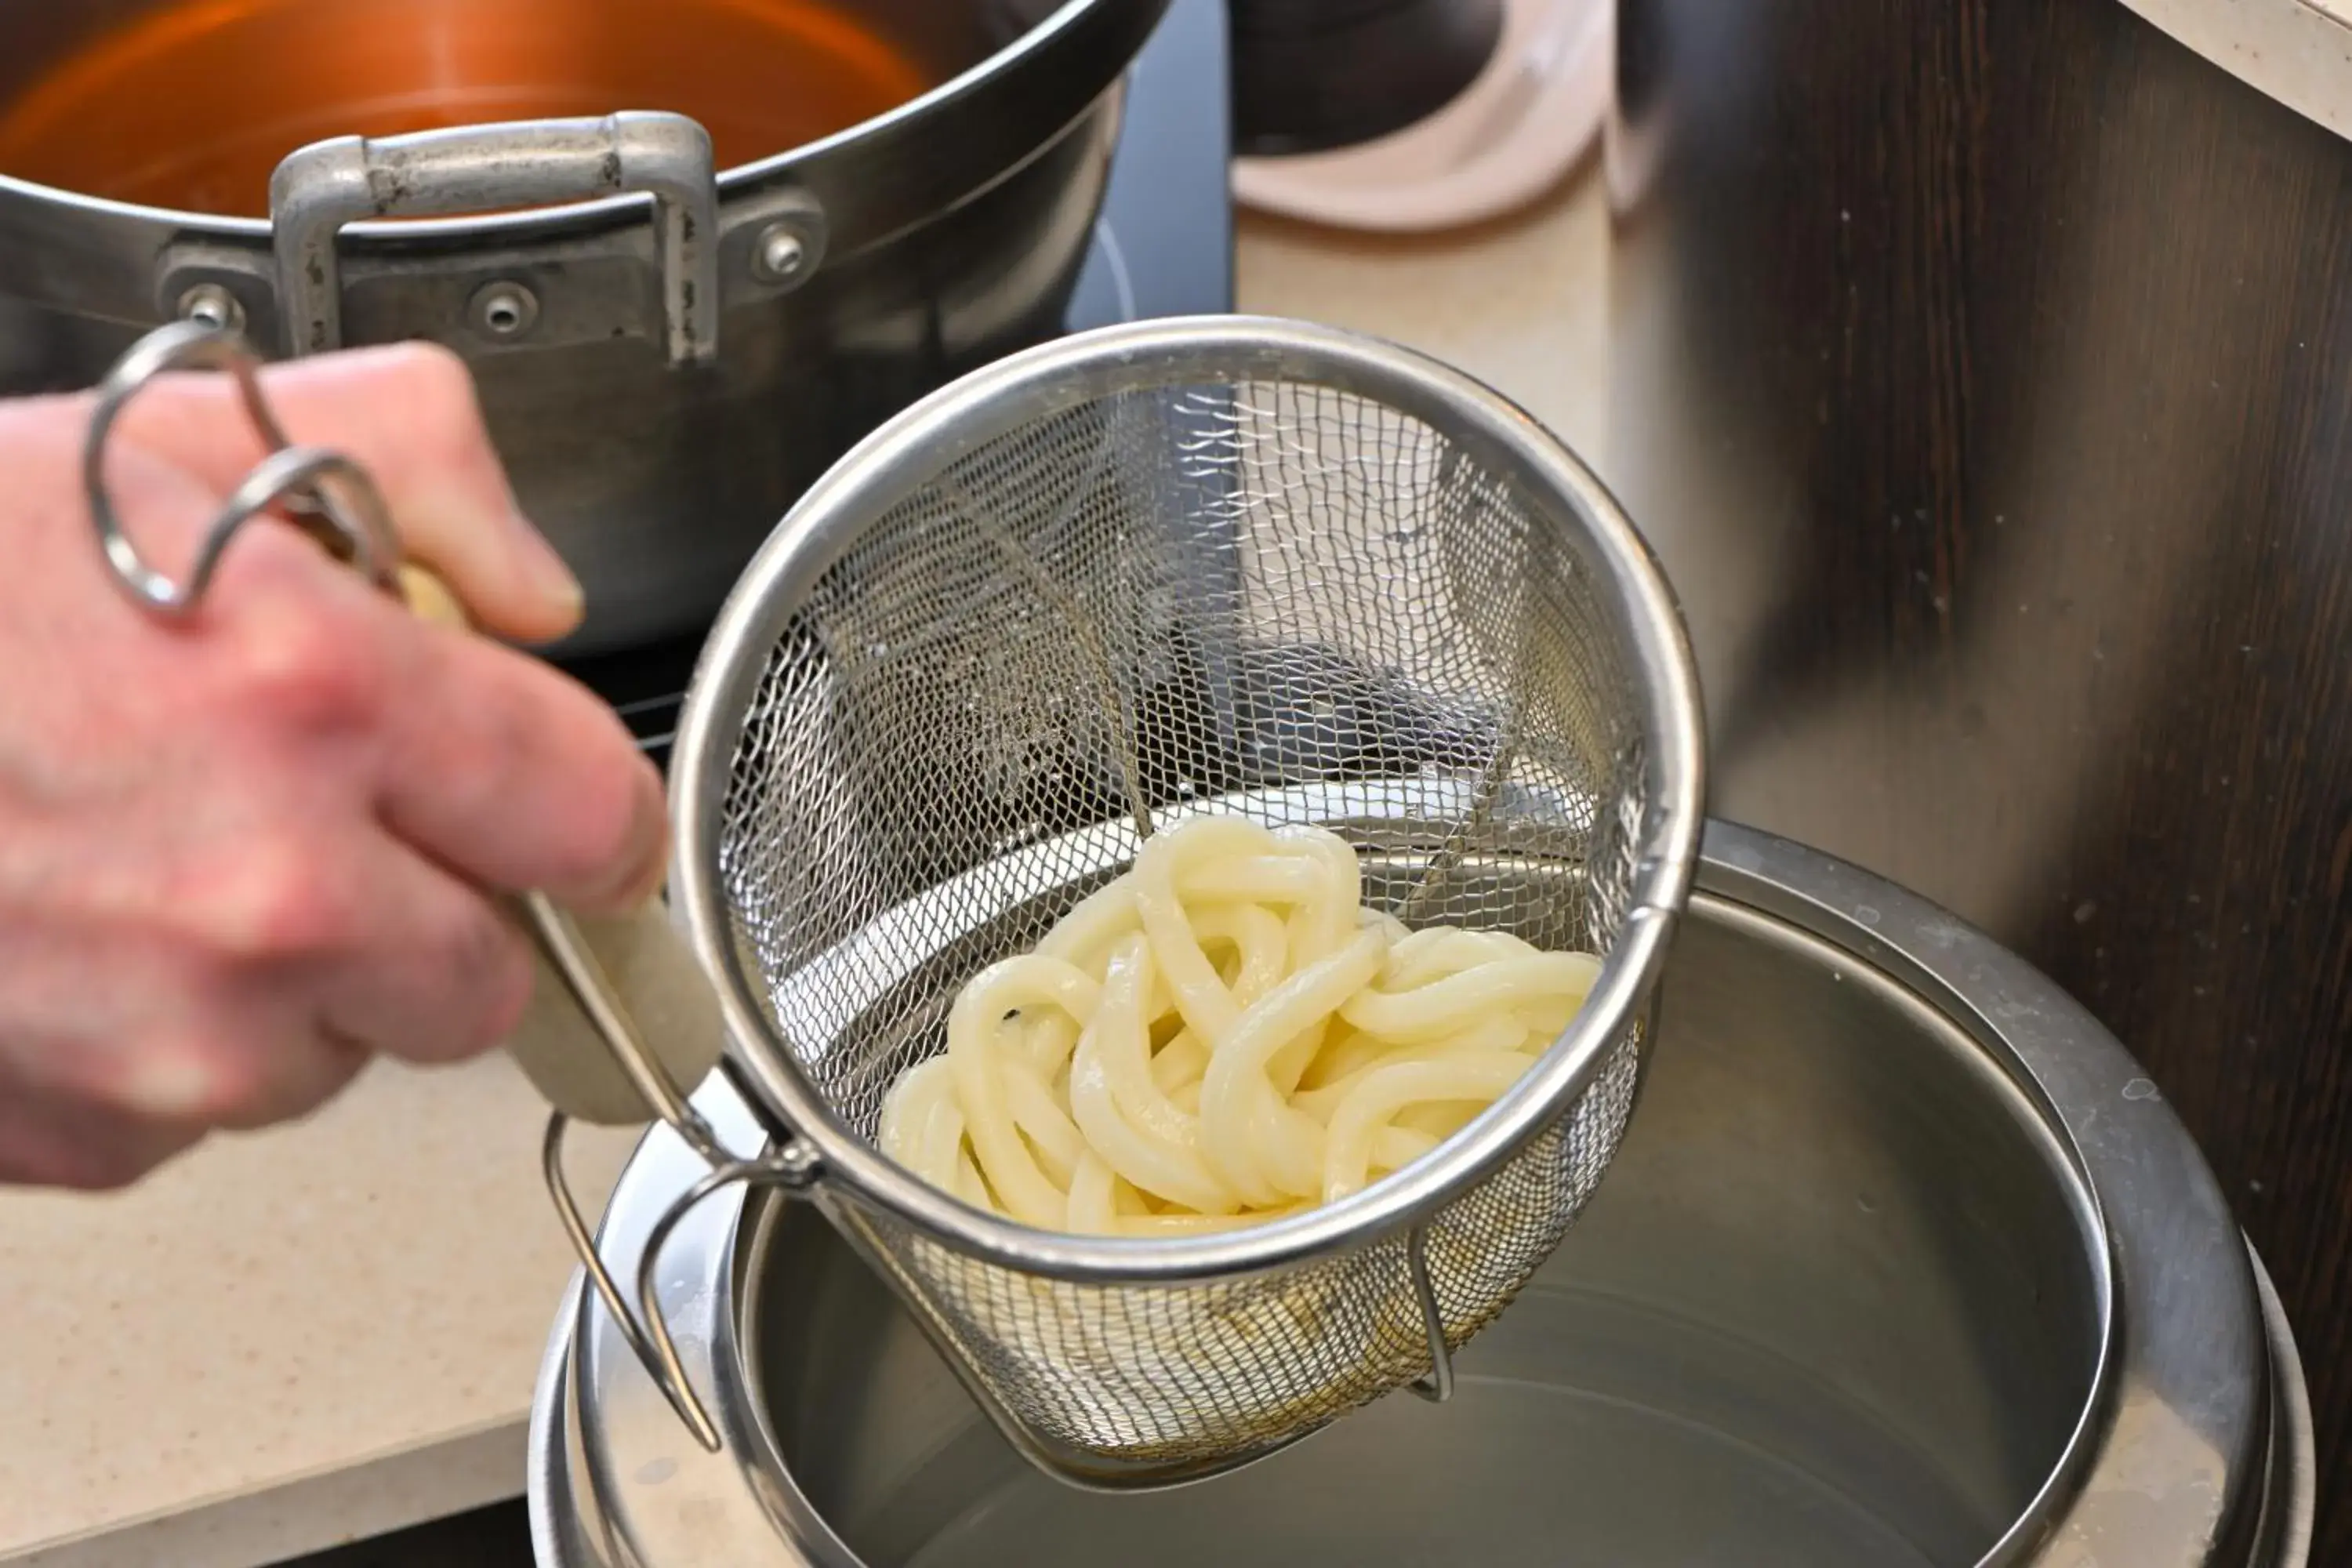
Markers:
(1214, 596)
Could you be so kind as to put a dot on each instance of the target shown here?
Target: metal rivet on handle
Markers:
(780, 254)
(214, 306)
(504, 310)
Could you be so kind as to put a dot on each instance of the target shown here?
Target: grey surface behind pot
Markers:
(1836, 1304)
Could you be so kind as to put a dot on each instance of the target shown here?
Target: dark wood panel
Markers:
(1985, 380)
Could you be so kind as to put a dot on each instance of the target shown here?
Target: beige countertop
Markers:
(296, 1338)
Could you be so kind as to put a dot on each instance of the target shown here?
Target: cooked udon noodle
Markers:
(1222, 1035)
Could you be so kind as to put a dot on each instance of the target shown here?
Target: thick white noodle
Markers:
(1223, 1036)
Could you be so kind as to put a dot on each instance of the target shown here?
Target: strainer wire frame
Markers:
(814, 1148)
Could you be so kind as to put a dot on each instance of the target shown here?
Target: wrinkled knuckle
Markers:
(192, 1078)
(271, 900)
(438, 388)
(423, 367)
(304, 669)
(213, 1083)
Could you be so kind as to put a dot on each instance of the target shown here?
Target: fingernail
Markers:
(639, 874)
(655, 861)
(550, 578)
(497, 561)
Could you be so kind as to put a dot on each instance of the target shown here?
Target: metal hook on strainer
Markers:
(324, 492)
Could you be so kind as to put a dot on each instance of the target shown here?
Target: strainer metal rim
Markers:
(1011, 394)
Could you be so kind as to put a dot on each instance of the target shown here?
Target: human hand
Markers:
(240, 853)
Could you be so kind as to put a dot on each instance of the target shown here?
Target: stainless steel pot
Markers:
(668, 361)
(1982, 375)
(1903, 1262)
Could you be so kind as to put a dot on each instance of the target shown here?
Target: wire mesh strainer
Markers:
(1220, 565)
(1223, 567)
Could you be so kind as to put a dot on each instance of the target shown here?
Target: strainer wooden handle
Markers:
(636, 969)
(622, 1023)
(663, 993)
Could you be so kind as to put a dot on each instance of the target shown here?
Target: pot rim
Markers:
(2198, 1397)
(2150, 1195)
(546, 222)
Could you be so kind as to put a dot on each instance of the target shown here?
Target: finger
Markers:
(243, 1056)
(278, 1065)
(408, 414)
(300, 1077)
(517, 777)
(436, 975)
(60, 1141)
(488, 761)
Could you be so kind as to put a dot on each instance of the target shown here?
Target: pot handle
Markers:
(471, 169)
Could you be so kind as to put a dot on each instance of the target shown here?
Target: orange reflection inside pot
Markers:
(191, 107)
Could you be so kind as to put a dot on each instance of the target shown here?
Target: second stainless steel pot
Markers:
(1903, 1264)
(666, 363)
